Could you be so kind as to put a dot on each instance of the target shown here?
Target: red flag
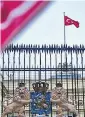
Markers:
(68, 21)
(15, 14)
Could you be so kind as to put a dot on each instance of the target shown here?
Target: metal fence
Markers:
(52, 64)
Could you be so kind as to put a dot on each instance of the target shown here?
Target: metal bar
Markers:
(47, 48)
(8, 73)
(12, 75)
(61, 67)
(24, 66)
(77, 79)
(75, 83)
(50, 70)
(8, 70)
(83, 90)
(56, 66)
(66, 76)
(35, 65)
(72, 76)
(45, 66)
(42, 69)
(19, 68)
(29, 76)
(24, 73)
(51, 79)
(13, 71)
(2, 82)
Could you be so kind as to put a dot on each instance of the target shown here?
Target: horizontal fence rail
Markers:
(45, 48)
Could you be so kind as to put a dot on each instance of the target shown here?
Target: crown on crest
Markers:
(40, 86)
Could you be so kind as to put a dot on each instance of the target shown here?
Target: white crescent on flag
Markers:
(15, 14)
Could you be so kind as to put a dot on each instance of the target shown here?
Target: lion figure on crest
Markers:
(20, 99)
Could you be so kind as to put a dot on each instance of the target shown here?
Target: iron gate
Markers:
(51, 64)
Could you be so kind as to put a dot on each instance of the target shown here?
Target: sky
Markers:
(48, 28)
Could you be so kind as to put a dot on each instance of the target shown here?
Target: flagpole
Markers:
(64, 30)
(65, 39)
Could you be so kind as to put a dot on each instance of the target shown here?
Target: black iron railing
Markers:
(52, 62)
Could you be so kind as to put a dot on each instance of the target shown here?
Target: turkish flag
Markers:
(68, 21)
(15, 15)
